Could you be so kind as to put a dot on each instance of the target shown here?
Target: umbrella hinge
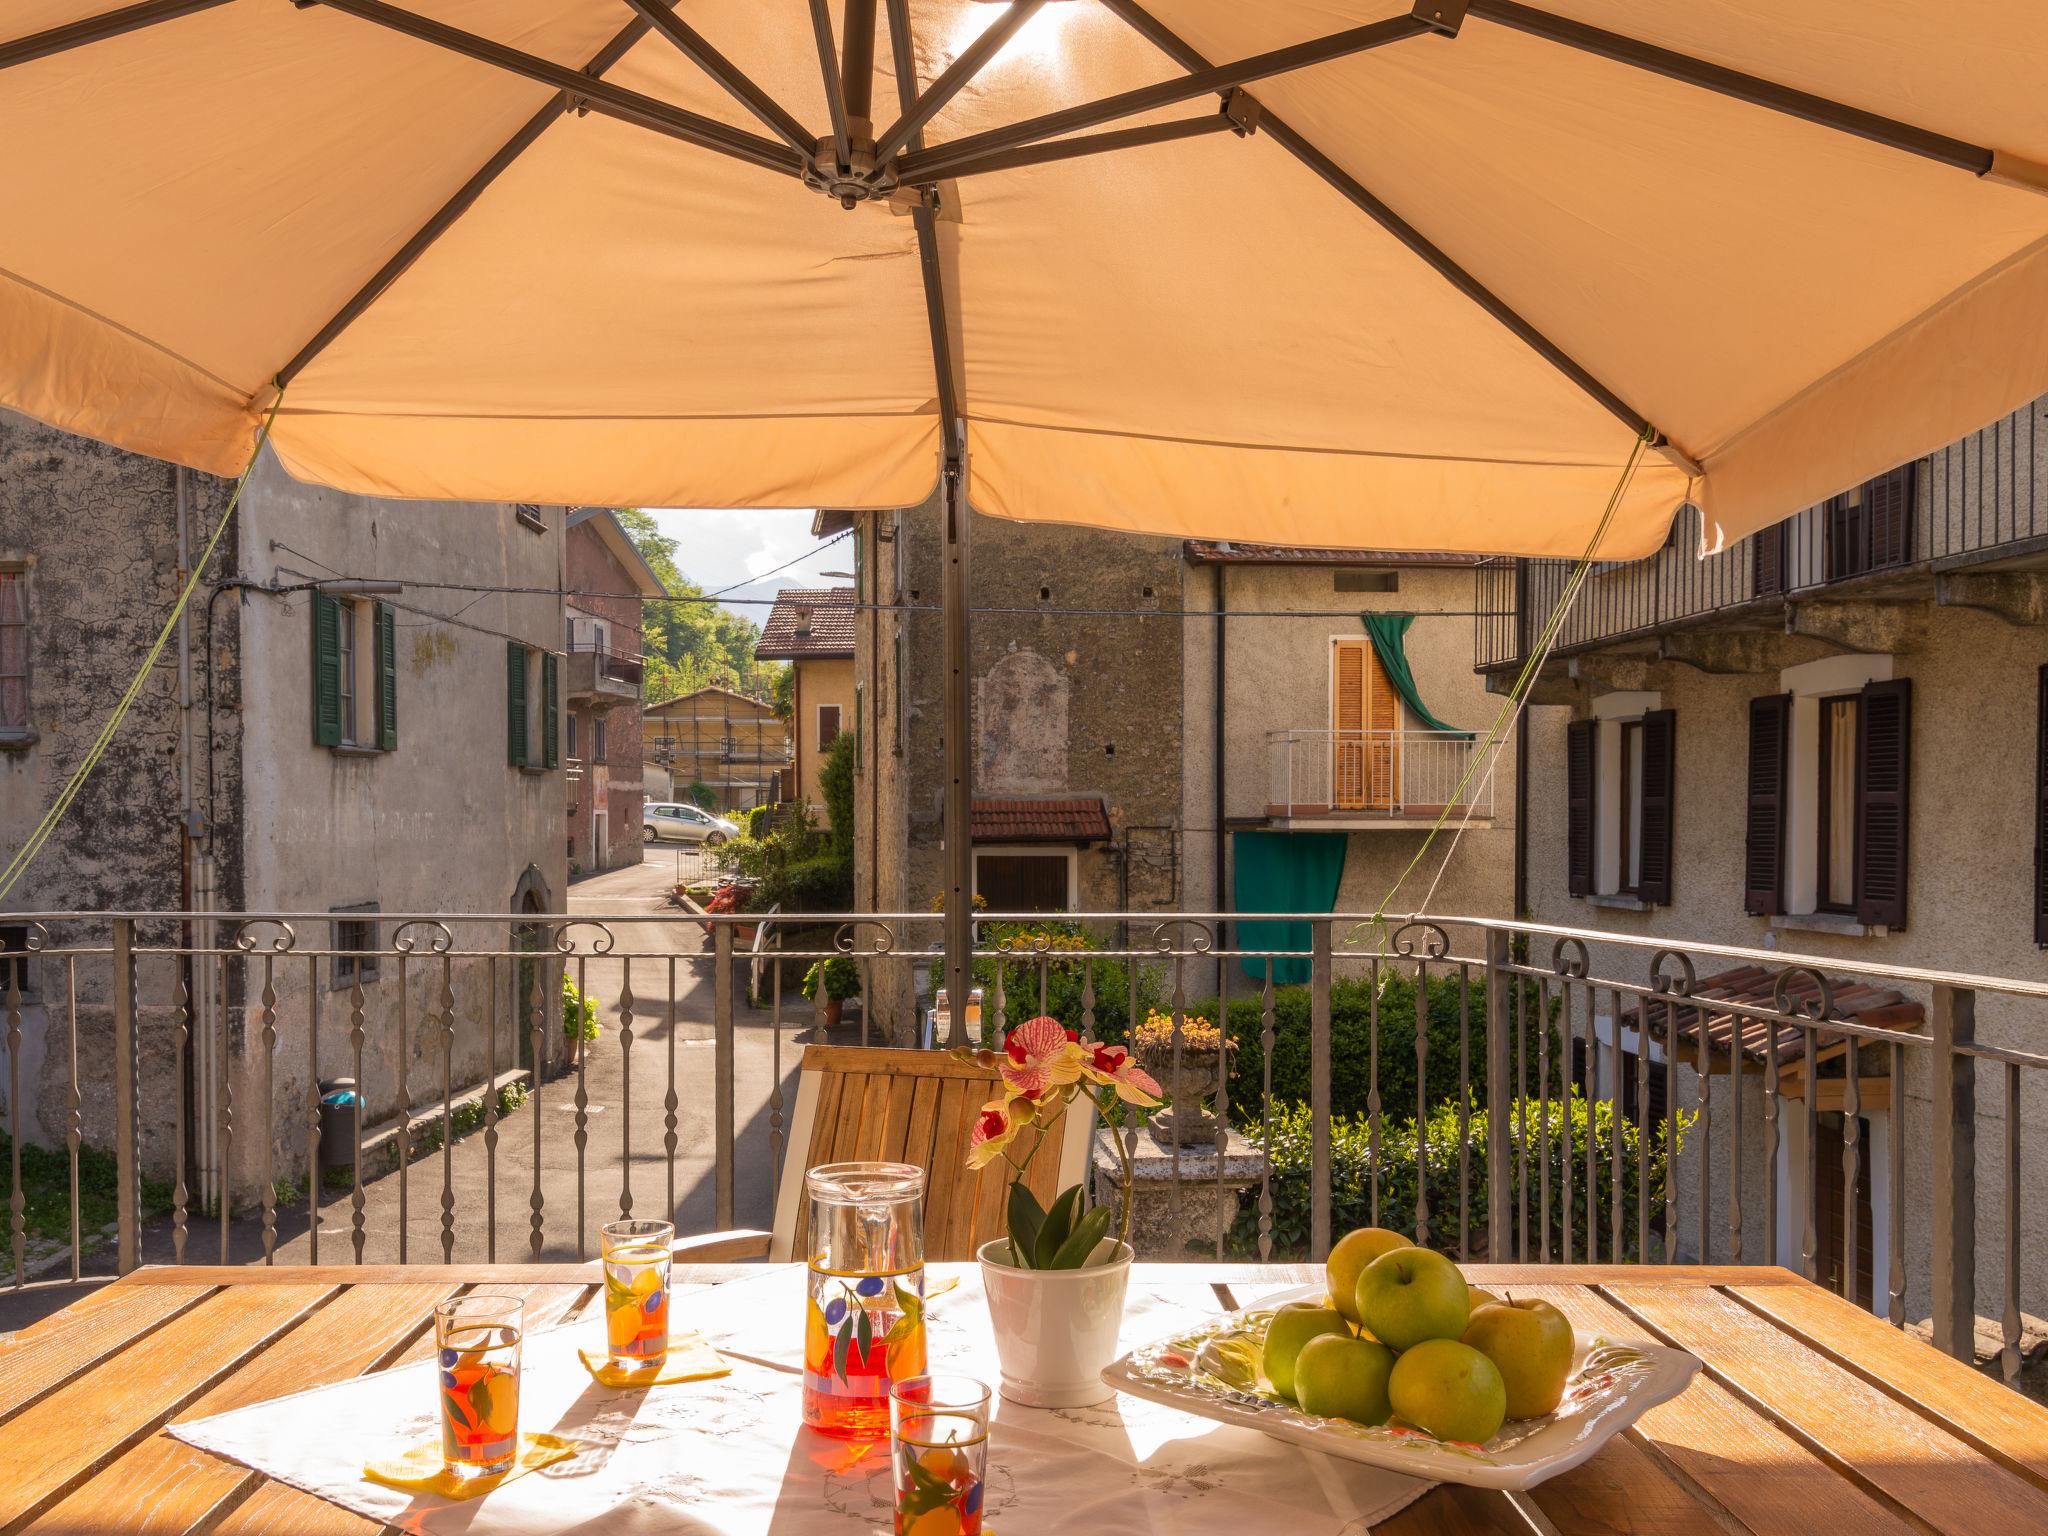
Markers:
(851, 183)
(1444, 16)
(1242, 108)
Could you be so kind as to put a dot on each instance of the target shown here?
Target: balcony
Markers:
(599, 677)
(1357, 780)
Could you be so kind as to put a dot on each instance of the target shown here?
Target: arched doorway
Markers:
(531, 1006)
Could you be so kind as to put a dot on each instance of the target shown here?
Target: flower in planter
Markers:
(1198, 1036)
(1112, 1067)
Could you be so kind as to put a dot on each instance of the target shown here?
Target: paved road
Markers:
(626, 1104)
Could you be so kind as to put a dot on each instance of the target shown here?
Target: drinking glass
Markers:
(478, 1337)
(636, 1262)
(864, 1310)
(938, 1434)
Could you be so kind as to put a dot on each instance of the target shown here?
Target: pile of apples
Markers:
(1403, 1338)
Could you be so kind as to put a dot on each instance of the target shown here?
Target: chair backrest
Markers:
(857, 1104)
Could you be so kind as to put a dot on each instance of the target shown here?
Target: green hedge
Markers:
(757, 821)
(1351, 1170)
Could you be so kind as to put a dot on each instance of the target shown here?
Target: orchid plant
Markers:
(1043, 1067)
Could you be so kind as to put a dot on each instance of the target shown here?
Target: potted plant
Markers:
(1190, 1067)
(1056, 1281)
(828, 983)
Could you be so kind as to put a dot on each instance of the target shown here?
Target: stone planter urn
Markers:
(1188, 1120)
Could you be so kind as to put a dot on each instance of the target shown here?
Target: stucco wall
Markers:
(818, 682)
(1970, 884)
(591, 572)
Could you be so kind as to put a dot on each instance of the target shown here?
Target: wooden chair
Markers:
(870, 1104)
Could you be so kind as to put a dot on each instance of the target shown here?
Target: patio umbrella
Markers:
(1302, 271)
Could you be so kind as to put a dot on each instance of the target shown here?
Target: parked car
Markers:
(671, 822)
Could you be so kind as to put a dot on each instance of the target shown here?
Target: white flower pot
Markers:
(1056, 1329)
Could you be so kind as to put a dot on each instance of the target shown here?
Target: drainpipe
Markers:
(1222, 837)
(188, 821)
(1521, 908)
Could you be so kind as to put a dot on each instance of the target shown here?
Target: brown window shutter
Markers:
(1581, 755)
(1888, 516)
(1660, 780)
(1763, 864)
(1884, 742)
(2041, 808)
(1767, 556)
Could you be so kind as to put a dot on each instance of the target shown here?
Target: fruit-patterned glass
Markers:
(478, 1338)
(636, 1265)
(938, 1436)
(864, 1306)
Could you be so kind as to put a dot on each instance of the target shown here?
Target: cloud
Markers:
(746, 549)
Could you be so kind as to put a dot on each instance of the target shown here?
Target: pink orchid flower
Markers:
(1112, 1066)
(1042, 1055)
(995, 1127)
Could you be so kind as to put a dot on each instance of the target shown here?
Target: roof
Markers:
(1226, 552)
(1074, 819)
(1753, 986)
(674, 706)
(612, 534)
(808, 624)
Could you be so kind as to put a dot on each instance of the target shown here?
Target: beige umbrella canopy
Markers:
(1417, 279)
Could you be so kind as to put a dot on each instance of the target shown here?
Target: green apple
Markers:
(1410, 1295)
(1448, 1389)
(1347, 1261)
(1344, 1378)
(1530, 1344)
(1477, 1297)
(1292, 1327)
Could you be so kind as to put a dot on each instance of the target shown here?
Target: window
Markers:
(1835, 804)
(17, 965)
(13, 649)
(1871, 527)
(828, 725)
(1368, 581)
(532, 707)
(355, 674)
(597, 638)
(346, 673)
(1025, 880)
(1620, 782)
(597, 753)
(529, 515)
(355, 945)
(570, 721)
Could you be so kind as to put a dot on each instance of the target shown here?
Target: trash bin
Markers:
(338, 1123)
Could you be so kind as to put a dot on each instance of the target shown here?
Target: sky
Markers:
(723, 548)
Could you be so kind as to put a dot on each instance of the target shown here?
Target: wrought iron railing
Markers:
(1402, 773)
(1512, 1091)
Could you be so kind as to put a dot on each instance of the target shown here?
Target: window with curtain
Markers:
(1837, 804)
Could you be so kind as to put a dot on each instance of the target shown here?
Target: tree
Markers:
(692, 644)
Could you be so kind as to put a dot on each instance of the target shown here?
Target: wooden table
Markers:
(1812, 1418)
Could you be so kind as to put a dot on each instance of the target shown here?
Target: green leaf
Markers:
(480, 1402)
(866, 1331)
(929, 1492)
(1088, 1231)
(1059, 1222)
(840, 1346)
(1026, 1217)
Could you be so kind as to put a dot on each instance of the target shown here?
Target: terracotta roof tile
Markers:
(808, 623)
(1753, 986)
(1073, 820)
(1218, 552)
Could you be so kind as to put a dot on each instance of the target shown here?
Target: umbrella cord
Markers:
(18, 865)
(1504, 719)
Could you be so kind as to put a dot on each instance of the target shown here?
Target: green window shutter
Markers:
(326, 671)
(515, 703)
(387, 678)
(550, 705)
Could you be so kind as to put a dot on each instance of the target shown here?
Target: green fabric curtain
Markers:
(1284, 872)
(1386, 631)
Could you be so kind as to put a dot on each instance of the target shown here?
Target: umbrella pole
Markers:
(959, 713)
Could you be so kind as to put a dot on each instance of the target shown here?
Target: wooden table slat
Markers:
(77, 1429)
(59, 1347)
(1744, 1462)
(1966, 1402)
(166, 1486)
(1893, 1450)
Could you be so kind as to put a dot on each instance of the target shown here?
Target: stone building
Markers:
(1826, 739)
(812, 628)
(605, 580)
(329, 732)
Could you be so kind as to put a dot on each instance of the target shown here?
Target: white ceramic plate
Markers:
(1613, 1383)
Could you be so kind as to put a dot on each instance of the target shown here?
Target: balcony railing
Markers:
(1977, 500)
(1511, 1091)
(1375, 775)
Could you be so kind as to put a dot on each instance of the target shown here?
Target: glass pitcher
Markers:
(864, 1309)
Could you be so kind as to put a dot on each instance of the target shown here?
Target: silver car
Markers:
(664, 821)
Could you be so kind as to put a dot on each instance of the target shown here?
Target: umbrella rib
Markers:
(93, 29)
(828, 65)
(1622, 49)
(1217, 79)
(1418, 244)
(611, 100)
(1100, 143)
(456, 206)
(915, 114)
(923, 219)
(694, 47)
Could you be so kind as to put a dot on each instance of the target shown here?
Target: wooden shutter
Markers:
(1660, 777)
(1888, 516)
(551, 715)
(1581, 759)
(1347, 725)
(1883, 768)
(387, 678)
(515, 703)
(326, 670)
(1767, 554)
(1763, 864)
(2041, 808)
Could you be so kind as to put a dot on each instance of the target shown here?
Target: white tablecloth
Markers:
(731, 1456)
